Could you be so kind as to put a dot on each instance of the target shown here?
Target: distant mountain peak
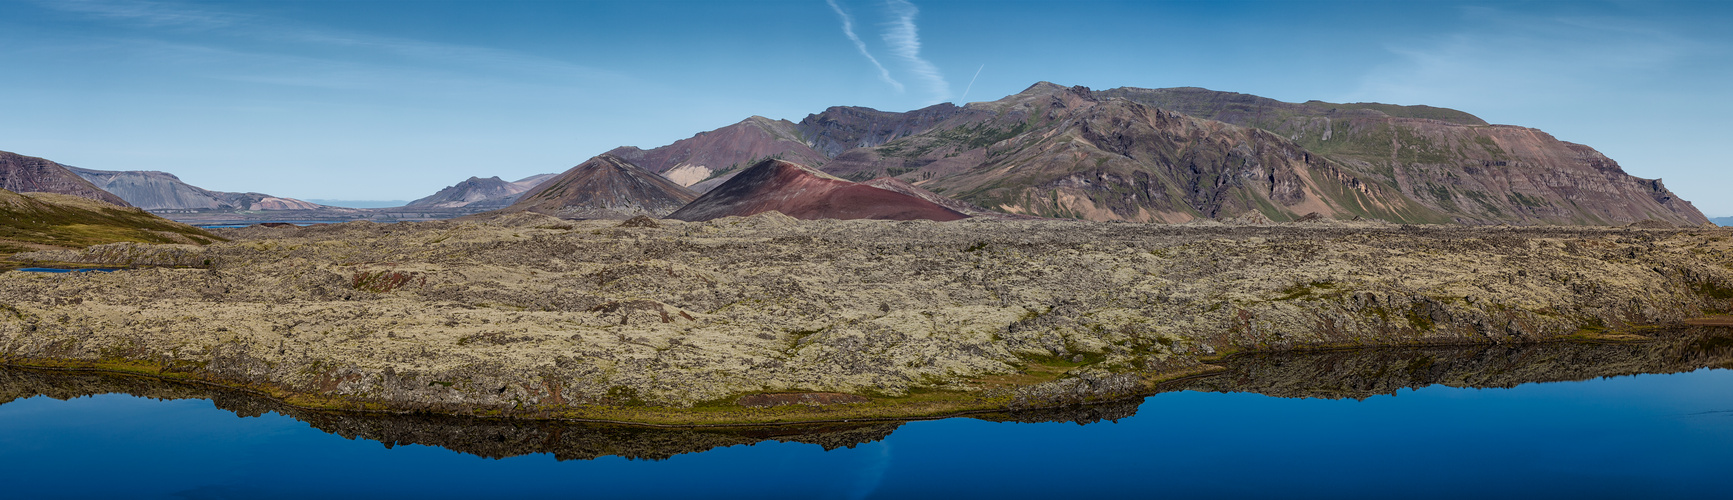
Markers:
(604, 187)
(471, 191)
(1043, 87)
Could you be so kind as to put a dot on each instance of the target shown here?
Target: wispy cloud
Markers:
(848, 30)
(905, 41)
(148, 14)
(286, 53)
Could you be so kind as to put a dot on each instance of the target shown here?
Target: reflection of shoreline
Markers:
(1362, 373)
(1357, 373)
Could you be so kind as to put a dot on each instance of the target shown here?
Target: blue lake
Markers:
(246, 223)
(1332, 425)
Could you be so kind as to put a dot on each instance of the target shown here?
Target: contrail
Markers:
(965, 97)
(848, 29)
(905, 42)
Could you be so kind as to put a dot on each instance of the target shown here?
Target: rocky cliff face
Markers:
(152, 190)
(604, 187)
(29, 174)
(842, 128)
(1448, 161)
(1061, 152)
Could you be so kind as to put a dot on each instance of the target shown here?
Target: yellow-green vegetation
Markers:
(48, 221)
(530, 316)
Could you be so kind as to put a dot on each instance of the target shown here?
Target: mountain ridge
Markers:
(26, 174)
(1178, 154)
(156, 190)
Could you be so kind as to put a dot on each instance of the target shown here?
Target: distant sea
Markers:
(359, 203)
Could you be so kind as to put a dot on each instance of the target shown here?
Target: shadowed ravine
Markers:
(1356, 373)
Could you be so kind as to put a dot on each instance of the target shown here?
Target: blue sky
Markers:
(396, 99)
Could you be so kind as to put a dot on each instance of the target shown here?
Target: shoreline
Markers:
(1153, 382)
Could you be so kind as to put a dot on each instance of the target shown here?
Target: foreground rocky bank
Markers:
(690, 323)
(1350, 373)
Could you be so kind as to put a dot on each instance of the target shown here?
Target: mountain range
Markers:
(1151, 155)
(1171, 155)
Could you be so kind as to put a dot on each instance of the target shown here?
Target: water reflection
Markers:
(1354, 374)
(1362, 373)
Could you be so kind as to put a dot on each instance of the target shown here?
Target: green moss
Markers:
(624, 396)
(1715, 291)
(68, 222)
(1306, 291)
(1061, 362)
(1491, 147)
(1417, 319)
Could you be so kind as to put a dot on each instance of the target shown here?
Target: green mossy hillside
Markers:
(45, 221)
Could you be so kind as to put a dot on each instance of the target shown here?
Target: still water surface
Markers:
(1339, 425)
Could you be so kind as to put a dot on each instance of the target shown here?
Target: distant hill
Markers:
(1722, 221)
(471, 191)
(52, 221)
(153, 190)
(804, 193)
(478, 192)
(29, 174)
(603, 187)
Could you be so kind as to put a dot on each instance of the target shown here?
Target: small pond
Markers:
(59, 270)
